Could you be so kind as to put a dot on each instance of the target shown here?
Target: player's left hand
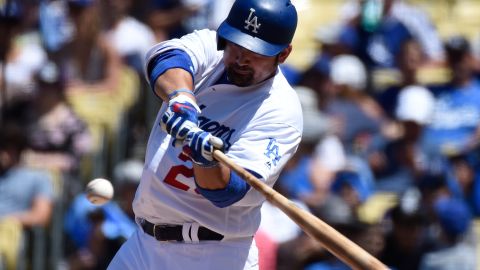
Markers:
(199, 146)
(180, 116)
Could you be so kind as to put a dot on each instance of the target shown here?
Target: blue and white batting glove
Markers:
(180, 117)
(199, 146)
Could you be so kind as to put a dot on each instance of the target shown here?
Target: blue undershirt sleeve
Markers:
(232, 193)
(175, 58)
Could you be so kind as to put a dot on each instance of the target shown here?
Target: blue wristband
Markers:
(181, 90)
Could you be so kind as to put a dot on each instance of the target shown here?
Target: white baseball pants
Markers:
(142, 251)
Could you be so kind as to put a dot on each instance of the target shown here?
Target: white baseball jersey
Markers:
(261, 126)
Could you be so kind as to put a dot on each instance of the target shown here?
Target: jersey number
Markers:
(171, 177)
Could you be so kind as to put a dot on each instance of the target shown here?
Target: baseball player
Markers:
(221, 89)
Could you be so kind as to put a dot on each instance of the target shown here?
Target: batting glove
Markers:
(180, 117)
(199, 146)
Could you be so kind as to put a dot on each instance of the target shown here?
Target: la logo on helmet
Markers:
(252, 22)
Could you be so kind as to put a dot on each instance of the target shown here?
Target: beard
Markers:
(242, 78)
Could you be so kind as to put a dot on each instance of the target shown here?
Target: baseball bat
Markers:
(339, 245)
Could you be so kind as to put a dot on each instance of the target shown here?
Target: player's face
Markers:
(246, 68)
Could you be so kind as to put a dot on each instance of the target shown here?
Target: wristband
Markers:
(176, 92)
(183, 99)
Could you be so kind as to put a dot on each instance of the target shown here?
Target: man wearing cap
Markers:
(221, 90)
(455, 252)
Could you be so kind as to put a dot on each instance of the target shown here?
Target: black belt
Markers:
(174, 232)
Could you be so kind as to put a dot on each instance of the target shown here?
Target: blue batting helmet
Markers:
(265, 27)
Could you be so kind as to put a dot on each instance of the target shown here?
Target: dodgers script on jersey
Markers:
(261, 126)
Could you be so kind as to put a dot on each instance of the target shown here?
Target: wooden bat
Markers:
(332, 240)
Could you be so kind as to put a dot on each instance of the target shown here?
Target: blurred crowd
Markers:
(392, 164)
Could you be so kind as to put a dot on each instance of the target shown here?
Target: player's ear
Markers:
(283, 55)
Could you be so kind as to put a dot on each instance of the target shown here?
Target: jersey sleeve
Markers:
(264, 151)
(201, 46)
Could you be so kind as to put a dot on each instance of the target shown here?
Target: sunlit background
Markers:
(390, 153)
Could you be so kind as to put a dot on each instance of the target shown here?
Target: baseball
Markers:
(99, 191)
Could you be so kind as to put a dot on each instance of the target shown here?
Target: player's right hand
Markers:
(180, 117)
(199, 146)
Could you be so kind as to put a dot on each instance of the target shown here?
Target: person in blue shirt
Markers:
(95, 233)
(373, 36)
(26, 199)
(464, 180)
(350, 185)
(455, 125)
(454, 252)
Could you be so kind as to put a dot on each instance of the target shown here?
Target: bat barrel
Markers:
(331, 239)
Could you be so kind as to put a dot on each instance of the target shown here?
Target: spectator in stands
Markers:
(304, 176)
(432, 186)
(299, 252)
(166, 18)
(57, 137)
(414, 110)
(405, 160)
(454, 219)
(100, 87)
(465, 182)
(317, 78)
(285, 228)
(268, 241)
(406, 241)
(130, 37)
(307, 254)
(127, 176)
(20, 50)
(376, 29)
(328, 38)
(355, 117)
(350, 186)
(54, 26)
(360, 121)
(409, 60)
(92, 62)
(27, 195)
(374, 38)
(174, 18)
(455, 126)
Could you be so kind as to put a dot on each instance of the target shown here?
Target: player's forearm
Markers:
(212, 178)
(220, 185)
(173, 79)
